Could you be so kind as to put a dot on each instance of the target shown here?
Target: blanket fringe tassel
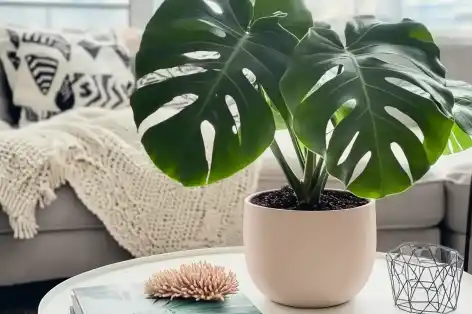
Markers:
(23, 224)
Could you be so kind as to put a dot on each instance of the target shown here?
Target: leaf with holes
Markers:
(462, 110)
(458, 141)
(228, 56)
(377, 60)
(460, 138)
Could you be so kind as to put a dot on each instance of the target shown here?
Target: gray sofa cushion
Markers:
(457, 172)
(389, 239)
(52, 255)
(422, 206)
(457, 203)
(71, 240)
(66, 213)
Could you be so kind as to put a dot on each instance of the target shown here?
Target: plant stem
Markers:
(298, 149)
(308, 174)
(315, 195)
(292, 178)
(320, 176)
(316, 173)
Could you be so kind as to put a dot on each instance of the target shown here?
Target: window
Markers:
(76, 13)
(438, 15)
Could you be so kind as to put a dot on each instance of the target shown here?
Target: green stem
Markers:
(316, 173)
(289, 174)
(320, 185)
(298, 149)
(309, 168)
(320, 174)
(308, 174)
(285, 114)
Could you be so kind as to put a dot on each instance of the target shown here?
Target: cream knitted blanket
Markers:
(99, 155)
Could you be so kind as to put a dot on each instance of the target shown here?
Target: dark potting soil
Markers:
(285, 198)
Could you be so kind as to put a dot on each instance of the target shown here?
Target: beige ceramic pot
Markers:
(309, 259)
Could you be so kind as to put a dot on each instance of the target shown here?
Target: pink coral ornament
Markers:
(199, 281)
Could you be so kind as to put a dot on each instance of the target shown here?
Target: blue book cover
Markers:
(116, 299)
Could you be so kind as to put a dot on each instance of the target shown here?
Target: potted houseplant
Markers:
(267, 63)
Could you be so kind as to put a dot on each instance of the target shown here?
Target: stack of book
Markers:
(130, 299)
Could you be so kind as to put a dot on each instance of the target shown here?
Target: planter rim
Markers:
(247, 200)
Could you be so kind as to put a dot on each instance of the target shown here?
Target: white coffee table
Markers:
(375, 298)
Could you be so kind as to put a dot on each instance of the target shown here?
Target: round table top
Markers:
(376, 297)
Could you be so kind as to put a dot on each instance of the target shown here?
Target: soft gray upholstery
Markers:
(60, 254)
(422, 206)
(64, 214)
(390, 239)
(457, 191)
(457, 205)
(71, 240)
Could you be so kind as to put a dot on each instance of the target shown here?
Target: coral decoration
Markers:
(199, 281)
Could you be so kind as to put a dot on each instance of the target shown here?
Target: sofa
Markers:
(71, 240)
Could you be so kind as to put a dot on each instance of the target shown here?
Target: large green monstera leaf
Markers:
(233, 60)
(373, 67)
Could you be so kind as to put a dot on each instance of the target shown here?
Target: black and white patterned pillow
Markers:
(52, 72)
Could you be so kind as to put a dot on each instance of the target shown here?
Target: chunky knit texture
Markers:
(98, 153)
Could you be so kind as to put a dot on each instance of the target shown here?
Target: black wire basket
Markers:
(425, 278)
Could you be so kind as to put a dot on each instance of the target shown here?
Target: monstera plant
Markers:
(274, 64)
(348, 102)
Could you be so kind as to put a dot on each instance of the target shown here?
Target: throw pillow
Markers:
(53, 72)
(5, 97)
